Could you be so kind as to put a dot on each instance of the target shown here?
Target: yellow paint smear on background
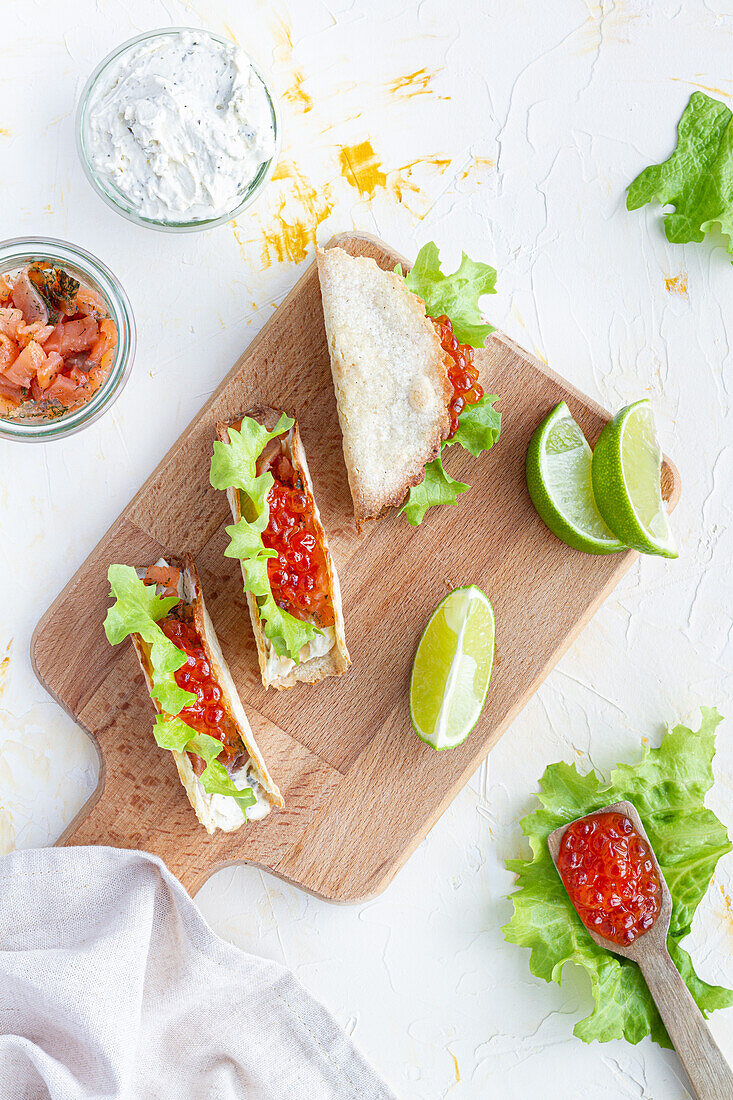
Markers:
(455, 1063)
(477, 167)
(727, 907)
(295, 93)
(676, 284)
(413, 84)
(237, 237)
(4, 132)
(606, 23)
(299, 206)
(360, 167)
(402, 186)
(703, 87)
(5, 667)
(300, 210)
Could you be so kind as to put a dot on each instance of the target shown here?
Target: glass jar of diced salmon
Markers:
(59, 345)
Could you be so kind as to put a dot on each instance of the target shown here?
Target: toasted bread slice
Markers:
(390, 377)
(281, 672)
(216, 811)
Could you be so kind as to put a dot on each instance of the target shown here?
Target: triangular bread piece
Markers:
(390, 377)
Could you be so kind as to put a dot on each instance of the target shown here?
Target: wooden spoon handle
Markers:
(710, 1075)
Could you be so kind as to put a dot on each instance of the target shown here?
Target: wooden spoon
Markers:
(709, 1073)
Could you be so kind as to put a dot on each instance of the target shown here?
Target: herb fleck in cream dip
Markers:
(180, 124)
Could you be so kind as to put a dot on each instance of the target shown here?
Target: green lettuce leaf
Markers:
(137, 610)
(667, 786)
(454, 295)
(287, 634)
(698, 178)
(168, 694)
(174, 734)
(478, 427)
(478, 430)
(437, 488)
(457, 297)
(245, 538)
(234, 465)
(215, 779)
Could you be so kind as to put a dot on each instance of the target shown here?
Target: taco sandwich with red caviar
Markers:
(200, 717)
(290, 580)
(403, 370)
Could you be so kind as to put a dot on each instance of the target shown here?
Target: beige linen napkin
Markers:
(113, 986)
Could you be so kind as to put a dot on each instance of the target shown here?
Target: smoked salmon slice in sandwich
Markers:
(406, 385)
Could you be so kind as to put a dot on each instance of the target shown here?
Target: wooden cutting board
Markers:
(361, 790)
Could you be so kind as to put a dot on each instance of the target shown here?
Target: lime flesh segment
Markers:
(626, 470)
(558, 471)
(452, 668)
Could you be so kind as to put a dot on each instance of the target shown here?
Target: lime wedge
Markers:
(452, 668)
(627, 464)
(559, 482)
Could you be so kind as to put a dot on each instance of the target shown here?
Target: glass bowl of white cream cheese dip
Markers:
(177, 130)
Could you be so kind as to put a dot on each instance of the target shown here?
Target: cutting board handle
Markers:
(106, 817)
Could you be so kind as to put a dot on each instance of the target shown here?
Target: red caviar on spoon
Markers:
(609, 873)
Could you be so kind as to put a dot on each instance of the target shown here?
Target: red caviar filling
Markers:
(462, 374)
(298, 575)
(206, 715)
(609, 873)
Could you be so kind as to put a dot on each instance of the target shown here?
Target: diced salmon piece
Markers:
(165, 575)
(26, 366)
(8, 352)
(90, 303)
(6, 288)
(72, 336)
(36, 331)
(27, 299)
(10, 321)
(10, 393)
(54, 340)
(99, 374)
(80, 377)
(81, 360)
(106, 341)
(49, 370)
(64, 390)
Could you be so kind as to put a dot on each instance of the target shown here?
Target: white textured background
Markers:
(511, 129)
